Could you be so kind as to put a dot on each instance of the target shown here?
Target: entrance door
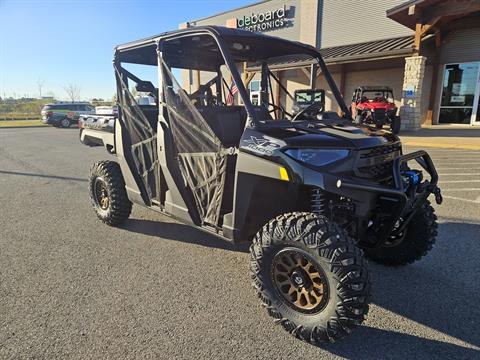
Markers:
(476, 110)
(254, 88)
(460, 94)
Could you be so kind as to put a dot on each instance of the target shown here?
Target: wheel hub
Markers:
(300, 281)
(101, 194)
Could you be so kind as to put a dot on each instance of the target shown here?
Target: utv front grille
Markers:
(377, 163)
(377, 172)
(379, 114)
(380, 151)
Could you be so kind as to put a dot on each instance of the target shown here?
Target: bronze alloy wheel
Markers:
(300, 281)
(101, 194)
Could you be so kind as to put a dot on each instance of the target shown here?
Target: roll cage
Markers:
(259, 50)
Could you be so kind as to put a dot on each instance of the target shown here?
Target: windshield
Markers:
(384, 96)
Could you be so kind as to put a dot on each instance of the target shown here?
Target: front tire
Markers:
(418, 240)
(107, 193)
(65, 123)
(310, 276)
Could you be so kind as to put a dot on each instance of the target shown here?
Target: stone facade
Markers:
(413, 85)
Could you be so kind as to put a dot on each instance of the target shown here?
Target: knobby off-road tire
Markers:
(329, 250)
(420, 235)
(108, 194)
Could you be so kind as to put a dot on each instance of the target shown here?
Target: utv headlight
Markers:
(317, 157)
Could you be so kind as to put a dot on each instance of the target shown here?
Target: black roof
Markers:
(261, 46)
(374, 88)
(221, 31)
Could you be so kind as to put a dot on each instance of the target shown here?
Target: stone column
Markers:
(411, 104)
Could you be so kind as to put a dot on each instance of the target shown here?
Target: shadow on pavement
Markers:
(441, 292)
(183, 233)
(372, 343)
(43, 176)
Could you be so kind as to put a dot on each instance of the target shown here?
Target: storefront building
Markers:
(427, 51)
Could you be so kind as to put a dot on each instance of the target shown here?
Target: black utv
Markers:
(312, 191)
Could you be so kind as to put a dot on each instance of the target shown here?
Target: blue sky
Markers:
(62, 41)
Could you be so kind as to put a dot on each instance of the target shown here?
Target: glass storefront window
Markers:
(458, 94)
(455, 115)
(477, 120)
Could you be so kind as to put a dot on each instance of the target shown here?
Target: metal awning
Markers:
(379, 49)
(366, 51)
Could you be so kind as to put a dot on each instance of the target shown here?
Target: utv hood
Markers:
(345, 137)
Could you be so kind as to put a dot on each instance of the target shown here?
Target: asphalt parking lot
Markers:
(71, 287)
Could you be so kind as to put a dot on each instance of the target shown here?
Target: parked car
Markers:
(65, 114)
(106, 110)
(374, 105)
(308, 192)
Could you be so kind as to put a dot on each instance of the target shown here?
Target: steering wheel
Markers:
(278, 107)
(310, 111)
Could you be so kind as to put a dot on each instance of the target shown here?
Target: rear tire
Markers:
(420, 235)
(395, 125)
(329, 258)
(65, 123)
(108, 194)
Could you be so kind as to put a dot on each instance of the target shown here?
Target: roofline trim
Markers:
(402, 7)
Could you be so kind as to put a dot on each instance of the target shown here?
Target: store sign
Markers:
(265, 21)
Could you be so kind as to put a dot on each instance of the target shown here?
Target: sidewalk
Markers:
(444, 136)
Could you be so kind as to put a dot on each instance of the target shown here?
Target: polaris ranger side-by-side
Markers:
(312, 191)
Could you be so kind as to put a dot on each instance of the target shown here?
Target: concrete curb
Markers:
(441, 145)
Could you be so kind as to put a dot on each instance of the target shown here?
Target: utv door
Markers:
(197, 159)
(136, 142)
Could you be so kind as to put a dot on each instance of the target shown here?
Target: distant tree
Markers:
(114, 98)
(73, 91)
(40, 84)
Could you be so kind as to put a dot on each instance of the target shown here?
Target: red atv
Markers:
(374, 105)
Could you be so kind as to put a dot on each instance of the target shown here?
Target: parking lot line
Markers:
(441, 145)
(458, 174)
(459, 181)
(476, 201)
(451, 161)
(466, 189)
(456, 168)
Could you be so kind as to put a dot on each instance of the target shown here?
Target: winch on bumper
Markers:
(384, 210)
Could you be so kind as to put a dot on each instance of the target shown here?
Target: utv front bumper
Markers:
(399, 202)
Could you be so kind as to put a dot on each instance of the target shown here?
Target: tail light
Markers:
(49, 113)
